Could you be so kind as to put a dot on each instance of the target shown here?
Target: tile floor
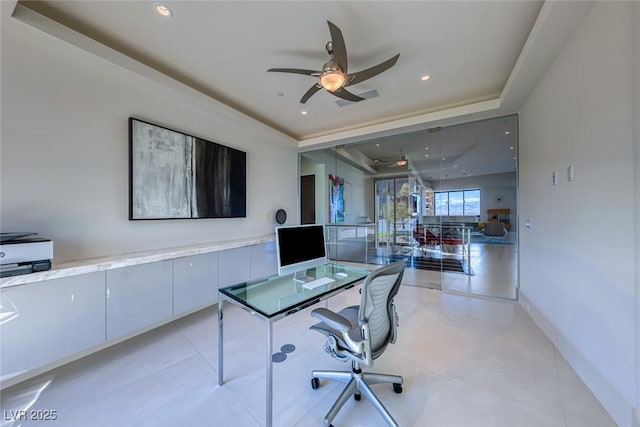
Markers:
(494, 270)
(466, 361)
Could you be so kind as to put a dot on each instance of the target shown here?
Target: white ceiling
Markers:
(224, 48)
(484, 57)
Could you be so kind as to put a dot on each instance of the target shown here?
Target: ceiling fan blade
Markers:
(312, 90)
(363, 75)
(345, 94)
(339, 48)
(295, 71)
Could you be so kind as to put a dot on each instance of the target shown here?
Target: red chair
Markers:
(449, 239)
(425, 237)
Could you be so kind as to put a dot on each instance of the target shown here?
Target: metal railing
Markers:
(351, 242)
(445, 239)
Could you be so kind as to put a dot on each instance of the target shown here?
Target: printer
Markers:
(22, 253)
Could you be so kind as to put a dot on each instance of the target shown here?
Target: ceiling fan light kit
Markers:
(332, 81)
(334, 76)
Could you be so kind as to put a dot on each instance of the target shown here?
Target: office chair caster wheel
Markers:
(357, 396)
(315, 383)
(397, 387)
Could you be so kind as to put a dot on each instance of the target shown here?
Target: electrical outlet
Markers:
(570, 173)
(554, 178)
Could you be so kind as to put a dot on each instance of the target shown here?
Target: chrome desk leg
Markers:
(269, 379)
(220, 350)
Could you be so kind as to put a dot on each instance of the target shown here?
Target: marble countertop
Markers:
(92, 265)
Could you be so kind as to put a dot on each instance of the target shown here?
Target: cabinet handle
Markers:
(108, 293)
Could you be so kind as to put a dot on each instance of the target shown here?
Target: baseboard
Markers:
(618, 407)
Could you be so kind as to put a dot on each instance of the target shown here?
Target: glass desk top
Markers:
(276, 295)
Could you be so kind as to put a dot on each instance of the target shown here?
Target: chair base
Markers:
(358, 383)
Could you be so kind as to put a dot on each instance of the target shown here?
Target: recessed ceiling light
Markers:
(163, 10)
(514, 158)
(377, 145)
(455, 166)
(303, 112)
(507, 133)
(426, 148)
(376, 161)
(444, 158)
(426, 155)
(510, 148)
(425, 77)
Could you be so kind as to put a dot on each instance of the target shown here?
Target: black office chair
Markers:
(361, 334)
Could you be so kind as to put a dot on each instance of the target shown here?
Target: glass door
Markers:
(396, 208)
(385, 214)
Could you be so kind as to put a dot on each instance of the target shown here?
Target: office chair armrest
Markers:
(331, 319)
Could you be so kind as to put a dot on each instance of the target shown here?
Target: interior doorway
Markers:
(395, 214)
(308, 199)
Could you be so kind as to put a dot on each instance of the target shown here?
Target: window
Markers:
(458, 203)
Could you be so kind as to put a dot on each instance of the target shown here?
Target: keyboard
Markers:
(318, 282)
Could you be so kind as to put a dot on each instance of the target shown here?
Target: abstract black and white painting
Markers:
(174, 175)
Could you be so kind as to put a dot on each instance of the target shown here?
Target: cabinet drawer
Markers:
(195, 282)
(138, 296)
(50, 320)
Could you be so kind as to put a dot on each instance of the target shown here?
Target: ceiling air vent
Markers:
(367, 95)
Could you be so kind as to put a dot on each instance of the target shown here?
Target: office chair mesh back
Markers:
(376, 309)
(361, 334)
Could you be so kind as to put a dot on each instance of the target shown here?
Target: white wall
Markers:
(577, 261)
(64, 153)
(362, 200)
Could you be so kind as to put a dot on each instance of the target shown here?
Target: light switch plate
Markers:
(570, 173)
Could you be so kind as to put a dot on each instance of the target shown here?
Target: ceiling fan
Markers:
(395, 162)
(334, 76)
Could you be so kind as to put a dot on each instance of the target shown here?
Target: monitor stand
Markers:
(302, 277)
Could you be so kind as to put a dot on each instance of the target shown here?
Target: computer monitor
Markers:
(300, 247)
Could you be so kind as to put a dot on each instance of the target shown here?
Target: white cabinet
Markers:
(55, 320)
(264, 260)
(138, 297)
(46, 321)
(234, 266)
(195, 282)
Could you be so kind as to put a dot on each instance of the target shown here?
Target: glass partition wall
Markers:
(443, 199)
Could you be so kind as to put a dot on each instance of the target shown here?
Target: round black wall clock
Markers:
(281, 216)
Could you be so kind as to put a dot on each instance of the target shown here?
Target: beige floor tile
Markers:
(466, 361)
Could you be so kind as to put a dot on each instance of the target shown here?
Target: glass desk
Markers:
(275, 297)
